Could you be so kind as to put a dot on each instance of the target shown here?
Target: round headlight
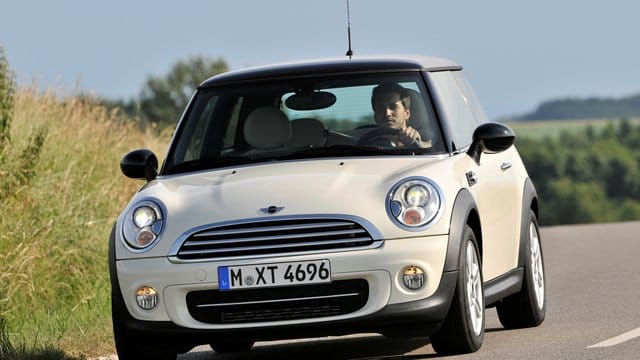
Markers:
(415, 203)
(144, 216)
(416, 195)
(142, 226)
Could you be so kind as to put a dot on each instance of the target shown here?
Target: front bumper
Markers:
(388, 309)
(416, 318)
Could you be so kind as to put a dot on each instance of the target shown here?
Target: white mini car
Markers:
(327, 198)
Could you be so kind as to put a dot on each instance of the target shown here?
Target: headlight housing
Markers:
(415, 203)
(142, 225)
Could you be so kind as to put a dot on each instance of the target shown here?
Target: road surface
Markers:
(593, 284)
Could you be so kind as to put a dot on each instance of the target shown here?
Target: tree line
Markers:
(574, 108)
(586, 176)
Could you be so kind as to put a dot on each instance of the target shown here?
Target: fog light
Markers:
(147, 297)
(413, 277)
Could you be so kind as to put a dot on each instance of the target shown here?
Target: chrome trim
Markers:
(271, 228)
(505, 166)
(472, 178)
(280, 300)
(274, 237)
(272, 209)
(262, 247)
(436, 217)
(127, 223)
(376, 236)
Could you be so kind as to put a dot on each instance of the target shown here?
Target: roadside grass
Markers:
(539, 129)
(55, 223)
(9, 352)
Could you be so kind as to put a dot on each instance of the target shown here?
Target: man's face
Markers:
(389, 112)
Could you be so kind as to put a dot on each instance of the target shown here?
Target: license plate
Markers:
(278, 274)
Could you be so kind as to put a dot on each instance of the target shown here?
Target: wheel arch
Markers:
(113, 274)
(464, 213)
(529, 203)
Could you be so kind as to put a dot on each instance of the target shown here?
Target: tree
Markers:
(7, 90)
(17, 167)
(163, 98)
(570, 202)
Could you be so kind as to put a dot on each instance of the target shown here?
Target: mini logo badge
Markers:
(272, 209)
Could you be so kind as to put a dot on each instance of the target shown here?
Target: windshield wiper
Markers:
(309, 152)
(344, 150)
(210, 163)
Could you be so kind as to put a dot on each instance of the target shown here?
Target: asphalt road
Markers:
(593, 284)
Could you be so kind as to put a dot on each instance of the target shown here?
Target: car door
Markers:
(495, 190)
(491, 181)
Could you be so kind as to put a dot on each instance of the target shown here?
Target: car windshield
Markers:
(300, 118)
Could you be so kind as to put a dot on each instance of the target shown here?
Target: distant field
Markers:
(538, 129)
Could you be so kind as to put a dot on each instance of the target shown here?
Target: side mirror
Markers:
(490, 138)
(140, 164)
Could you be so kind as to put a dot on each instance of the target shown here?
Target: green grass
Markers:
(539, 129)
(55, 223)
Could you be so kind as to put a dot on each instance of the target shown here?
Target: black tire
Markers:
(230, 346)
(129, 349)
(528, 307)
(463, 329)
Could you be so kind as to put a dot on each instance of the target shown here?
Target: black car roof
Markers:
(334, 66)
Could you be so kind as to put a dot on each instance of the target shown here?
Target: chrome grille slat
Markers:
(275, 237)
(269, 229)
(263, 247)
(280, 236)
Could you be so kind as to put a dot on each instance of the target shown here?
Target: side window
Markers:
(191, 140)
(456, 106)
(472, 99)
(229, 139)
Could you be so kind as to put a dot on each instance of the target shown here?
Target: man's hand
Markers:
(411, 137)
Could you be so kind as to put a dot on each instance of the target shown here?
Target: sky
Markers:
(516, 54)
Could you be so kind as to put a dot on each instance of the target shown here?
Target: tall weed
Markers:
(7, 90)
(65, 191)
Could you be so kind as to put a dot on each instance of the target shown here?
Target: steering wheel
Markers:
(372, 135)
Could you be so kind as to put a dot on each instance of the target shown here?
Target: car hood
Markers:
(354, 188)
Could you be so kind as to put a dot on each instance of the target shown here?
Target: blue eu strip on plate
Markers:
(223, 278)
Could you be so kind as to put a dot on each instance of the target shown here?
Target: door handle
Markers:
(505, 166)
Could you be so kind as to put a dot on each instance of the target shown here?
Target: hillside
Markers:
(576, 108)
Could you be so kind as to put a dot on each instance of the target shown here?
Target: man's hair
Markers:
(393, 88)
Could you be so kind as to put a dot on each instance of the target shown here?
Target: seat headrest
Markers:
(419, 117)
(267, 128)
(308, 132)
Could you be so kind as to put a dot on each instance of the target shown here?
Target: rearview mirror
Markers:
(310, 100)
(140, 164)
(490, 138)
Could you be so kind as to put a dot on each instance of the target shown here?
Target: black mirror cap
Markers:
(491, 138)
(140, 164)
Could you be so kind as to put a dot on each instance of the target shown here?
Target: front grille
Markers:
(277, 304)
(274, 237)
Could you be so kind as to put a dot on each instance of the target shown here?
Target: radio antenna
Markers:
(349, 52)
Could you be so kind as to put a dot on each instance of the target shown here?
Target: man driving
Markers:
(391, 109)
